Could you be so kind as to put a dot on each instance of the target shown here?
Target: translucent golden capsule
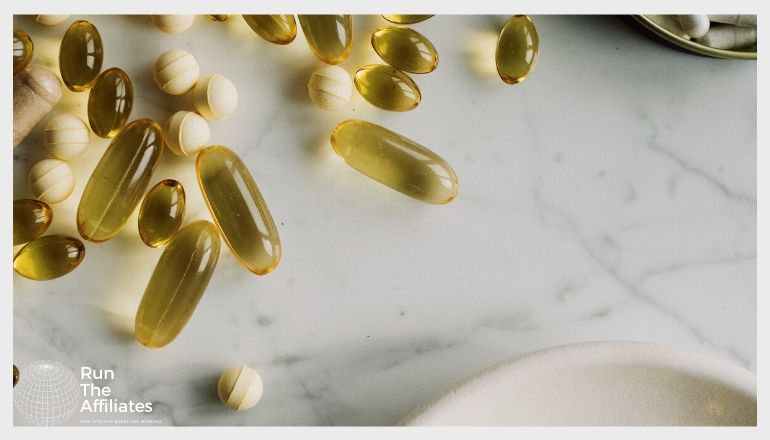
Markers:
(49, 257)
(405, 49)
(119, 180)
(387, 88)
(395, 161)
(406, 19)
(22, 50)
(177, 284)
(110, 102)
(238, 209)
(31, 218)
(330, 37)
(517, 49)
(278, 29)
(80, 55)
(161, 213)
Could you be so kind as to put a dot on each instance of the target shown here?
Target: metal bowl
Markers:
(664, 35)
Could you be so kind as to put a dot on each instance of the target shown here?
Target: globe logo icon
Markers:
(47, 393)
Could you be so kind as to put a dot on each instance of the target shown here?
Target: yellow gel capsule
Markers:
(517, 49)
(22, 50)
(161, 213)
(330, 37)
(406, 19)
(80, 56)
(238, 209)
(395, 161)
(119, 180)
(110, 102)
(177, 284)
(405, 49)
(49, 257)
(218, 17)
(278, 29)
(387, 88)
(31, 218)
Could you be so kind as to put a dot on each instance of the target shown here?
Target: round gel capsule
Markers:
(110, 102)
(51, 20)
(517, 49)
(173, 24)
(215, 97)
(330, 87)
(161, 213)
(49, 257)
(80, 56)
(387, 88)
(176, 71)
(31, 218)
(186, 133)
(240, 388)
(66, 136)
(22, 50)
(51, 180)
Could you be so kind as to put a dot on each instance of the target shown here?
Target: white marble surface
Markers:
(612, 195)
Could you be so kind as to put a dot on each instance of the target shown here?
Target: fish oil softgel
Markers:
(405, 49)
(406, 19)
(218, 17)
(110, 102)
(517, 49)
(395, 161)
(31, 218)
(119, 180)
(277, 29)
(80, 56)
(179, 280)
(387, 88)
(161, 213)
(49, 257)
(330, 37)
(238, 209)
(22, 50)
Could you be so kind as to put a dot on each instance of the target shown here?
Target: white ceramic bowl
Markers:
(601, 384)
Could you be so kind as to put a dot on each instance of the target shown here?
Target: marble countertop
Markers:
(611, 196)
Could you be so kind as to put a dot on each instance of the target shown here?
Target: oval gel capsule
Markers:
(119, 180)
(395, 161)
(31, 218)
(406, 19)
(49, 257)
(22, 50)
(238, 209)
(387, 88)
(177, 284)
(161, 213)
(330, 37)
(277, 29)
(80, 56)
(517, 49)
(695, 26)
(110, 102)
(405, 49)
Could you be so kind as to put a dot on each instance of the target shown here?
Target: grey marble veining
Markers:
(611, 196)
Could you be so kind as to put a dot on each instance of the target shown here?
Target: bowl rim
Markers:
(692, 46)
(676, 358)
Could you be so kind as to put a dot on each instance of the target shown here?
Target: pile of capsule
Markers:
(119, 183)
(730, 32)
